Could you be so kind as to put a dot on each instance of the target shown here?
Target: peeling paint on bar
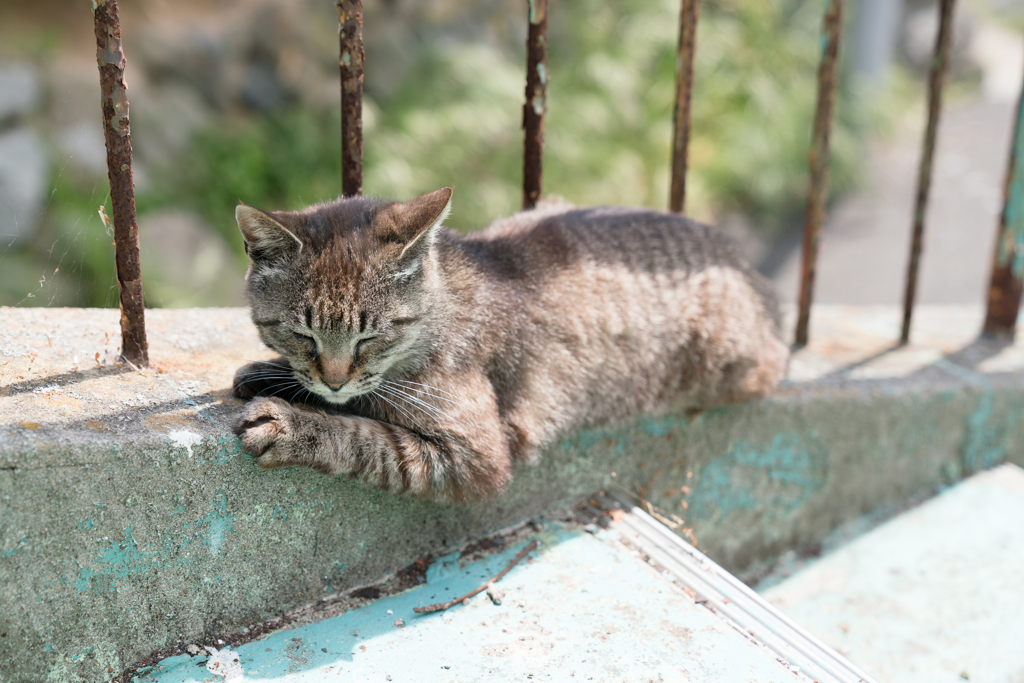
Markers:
(117, 133)
(1008, 263)
(536, 102)
(350, 63)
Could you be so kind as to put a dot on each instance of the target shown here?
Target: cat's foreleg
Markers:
(469, 465)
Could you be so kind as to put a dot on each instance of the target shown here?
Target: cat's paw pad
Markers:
(267, 428)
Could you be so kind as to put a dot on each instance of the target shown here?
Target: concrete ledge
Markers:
(130, 521)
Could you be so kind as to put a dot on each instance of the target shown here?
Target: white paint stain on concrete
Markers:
(184, 438)
(217, 528)
(225, 662)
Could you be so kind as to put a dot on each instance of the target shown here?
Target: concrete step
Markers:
(130, 521)
(631, 602)
(935, 594)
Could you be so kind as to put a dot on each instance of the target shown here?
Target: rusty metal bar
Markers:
(689, 13)
(1008, 263)
(818, 159)
(114, 102)
(536, 102)
(350, 38)
(940, 62)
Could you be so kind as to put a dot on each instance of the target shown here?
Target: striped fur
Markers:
(419, 361)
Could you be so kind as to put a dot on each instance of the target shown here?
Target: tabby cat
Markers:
(420, 361)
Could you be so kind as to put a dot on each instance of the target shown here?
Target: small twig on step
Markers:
(439, 606)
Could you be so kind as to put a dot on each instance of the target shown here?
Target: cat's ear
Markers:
(265, 238)
(419, 221)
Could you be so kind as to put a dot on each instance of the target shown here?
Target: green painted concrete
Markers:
(130, 522)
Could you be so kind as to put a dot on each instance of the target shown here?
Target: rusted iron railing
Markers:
(1008, 267)
(940, 62)
(350, 62)
(1008, 262)
(536, 102)
(689, 13)
(818, 159)
(116, 131)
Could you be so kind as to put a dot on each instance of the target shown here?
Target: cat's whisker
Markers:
(376, 402)
(256, 378)
(281, 381)
(433, 410)
(424, 393)
(429, 386)
(404, 391)
(307, 393)
(400, 409)
(264, 362)
(280, 388)
(396, 395)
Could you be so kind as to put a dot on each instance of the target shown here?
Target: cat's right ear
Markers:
(264, 237)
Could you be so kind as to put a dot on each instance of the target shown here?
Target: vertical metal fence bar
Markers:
(818, 159)
(689, 13)
(940, 62)
(536, 102)
(350, 39)
(114, 103)
(1008, 263)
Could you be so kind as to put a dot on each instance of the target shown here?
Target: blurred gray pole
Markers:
(875, 34)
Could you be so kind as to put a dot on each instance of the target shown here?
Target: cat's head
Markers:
(345, 290)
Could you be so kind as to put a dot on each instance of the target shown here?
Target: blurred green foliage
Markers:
(288, 160)
(455, 117)
(455, 120)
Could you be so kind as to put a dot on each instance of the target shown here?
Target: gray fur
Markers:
(433, 361)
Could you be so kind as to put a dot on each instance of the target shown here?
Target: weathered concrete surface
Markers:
(130, 521)
(582, 608)
(933, 595)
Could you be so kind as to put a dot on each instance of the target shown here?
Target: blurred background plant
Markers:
(234, 100)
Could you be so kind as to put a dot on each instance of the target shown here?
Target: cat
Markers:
(420, 361)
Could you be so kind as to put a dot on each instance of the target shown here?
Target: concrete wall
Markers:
(130, 521)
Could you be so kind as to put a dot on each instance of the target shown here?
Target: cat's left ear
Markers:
(265, 237)
(420, 220)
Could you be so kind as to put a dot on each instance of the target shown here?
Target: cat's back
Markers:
(549, 242)
(638, 305)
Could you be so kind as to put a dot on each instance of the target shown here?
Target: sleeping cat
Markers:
(416, 360)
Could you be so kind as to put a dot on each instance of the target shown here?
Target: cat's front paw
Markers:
(268, 428)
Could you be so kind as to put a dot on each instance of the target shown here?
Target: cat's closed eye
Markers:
(308, 343)
(360, 347)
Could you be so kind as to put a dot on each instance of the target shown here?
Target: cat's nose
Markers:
(335, 370)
